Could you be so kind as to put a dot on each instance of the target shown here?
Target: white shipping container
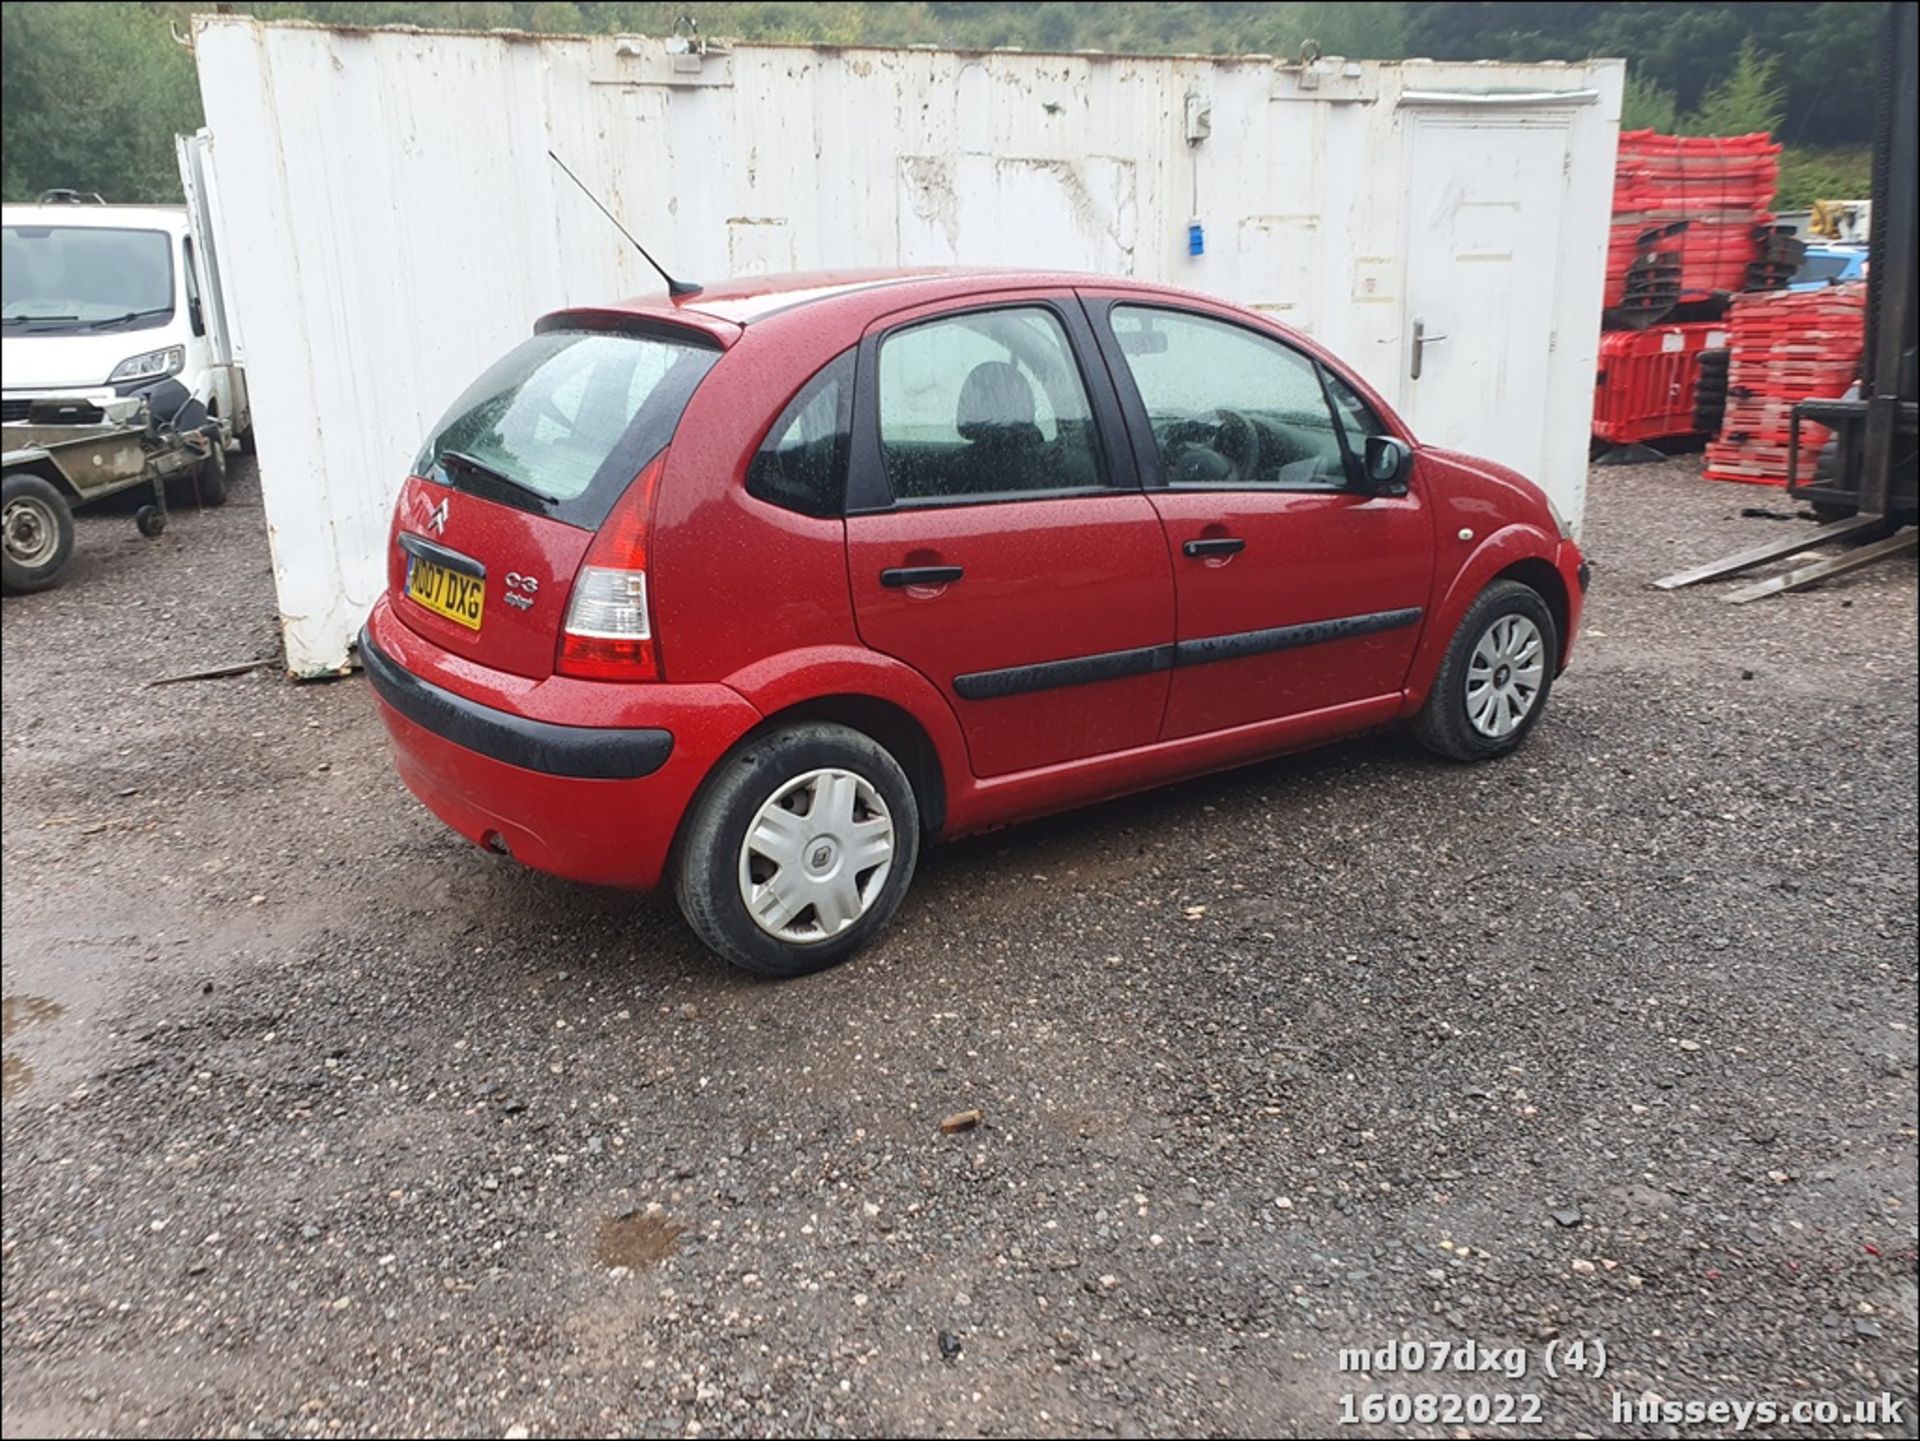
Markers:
(392, 221)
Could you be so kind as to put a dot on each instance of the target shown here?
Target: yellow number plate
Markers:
(446, 592)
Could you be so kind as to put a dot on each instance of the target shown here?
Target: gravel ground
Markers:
(320, 1121)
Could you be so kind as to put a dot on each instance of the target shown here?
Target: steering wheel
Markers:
(1218, 451)
(1238, 439)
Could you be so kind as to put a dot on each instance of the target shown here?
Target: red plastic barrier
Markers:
(1645, 386)
(1718, 190)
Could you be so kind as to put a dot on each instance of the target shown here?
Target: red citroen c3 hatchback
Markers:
(755, 590)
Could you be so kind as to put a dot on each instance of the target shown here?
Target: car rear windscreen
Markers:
(563, 422)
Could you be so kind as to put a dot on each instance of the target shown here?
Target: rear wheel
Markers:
(38, 534)
(1496, 677)
(799, 849)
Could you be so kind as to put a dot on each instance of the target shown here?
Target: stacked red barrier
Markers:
(1788, 346)
(1646, 386)
(1691, 216)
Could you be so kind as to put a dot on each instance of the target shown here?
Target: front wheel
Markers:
(210, 478)
(798, 850)
(38, 533)
(1496, 677)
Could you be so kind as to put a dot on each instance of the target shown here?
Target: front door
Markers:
(997, 541)
(1295, 591)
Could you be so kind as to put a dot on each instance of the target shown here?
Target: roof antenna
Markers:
(674, 287)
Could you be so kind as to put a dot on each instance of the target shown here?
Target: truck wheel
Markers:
(799, 849)
(39, 534)
(149, 520)
(210, 478)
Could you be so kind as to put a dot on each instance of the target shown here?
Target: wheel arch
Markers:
(1543, 577)
(45, 469)
(1512, 551)
(894, 727)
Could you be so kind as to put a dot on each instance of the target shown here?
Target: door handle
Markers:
(903, 576)
(1421, 340)
(1220, 545)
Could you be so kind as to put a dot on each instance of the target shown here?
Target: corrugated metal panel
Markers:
(402, 223)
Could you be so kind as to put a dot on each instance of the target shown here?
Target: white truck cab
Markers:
(102, 302)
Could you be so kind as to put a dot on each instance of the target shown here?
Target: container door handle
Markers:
(1421, 340)
(903, 576)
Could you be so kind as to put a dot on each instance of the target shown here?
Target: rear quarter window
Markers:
(802, 464)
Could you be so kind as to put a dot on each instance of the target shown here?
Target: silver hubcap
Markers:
(32, 534)
(816, 856)
(1505, 675)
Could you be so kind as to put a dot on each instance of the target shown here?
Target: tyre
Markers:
(150, 520)
(38, 534)
(210, 478)
(798, 849)
(1496, 677)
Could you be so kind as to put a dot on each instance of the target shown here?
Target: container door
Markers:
(1483, 247)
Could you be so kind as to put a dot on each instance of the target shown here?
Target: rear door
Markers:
(1295, 591)
(997, 540)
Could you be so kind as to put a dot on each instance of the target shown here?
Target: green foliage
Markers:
(1831, 49)
(1648, 106)
(1748, 100)
(90, 97)
(1810, 175)
(94, 93)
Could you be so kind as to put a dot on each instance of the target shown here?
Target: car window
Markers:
(985, 405)
(1818, 267)
(802, 464)
(1356, 418)
(1229, 408)
(570, 415)
(187, 273)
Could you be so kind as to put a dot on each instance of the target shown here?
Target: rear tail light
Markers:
(608, 633)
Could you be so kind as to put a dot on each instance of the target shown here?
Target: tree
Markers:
(1748, 100)
(91, 97)
(1648, 106)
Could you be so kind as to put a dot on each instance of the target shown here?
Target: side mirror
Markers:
(1385, 464)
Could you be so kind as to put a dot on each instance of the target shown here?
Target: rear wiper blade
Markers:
(130, 315)
(468, 462)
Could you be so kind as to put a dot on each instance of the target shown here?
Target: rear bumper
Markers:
(580, 752)
(578, 778)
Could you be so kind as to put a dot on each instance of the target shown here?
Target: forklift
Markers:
(1863, 486)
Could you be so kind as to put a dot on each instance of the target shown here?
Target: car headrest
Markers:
(995, 398)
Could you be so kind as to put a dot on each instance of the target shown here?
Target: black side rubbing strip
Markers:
(581, 751)
(1083, 670)
(439, 555)
(1118, 664)
(1286, 637)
